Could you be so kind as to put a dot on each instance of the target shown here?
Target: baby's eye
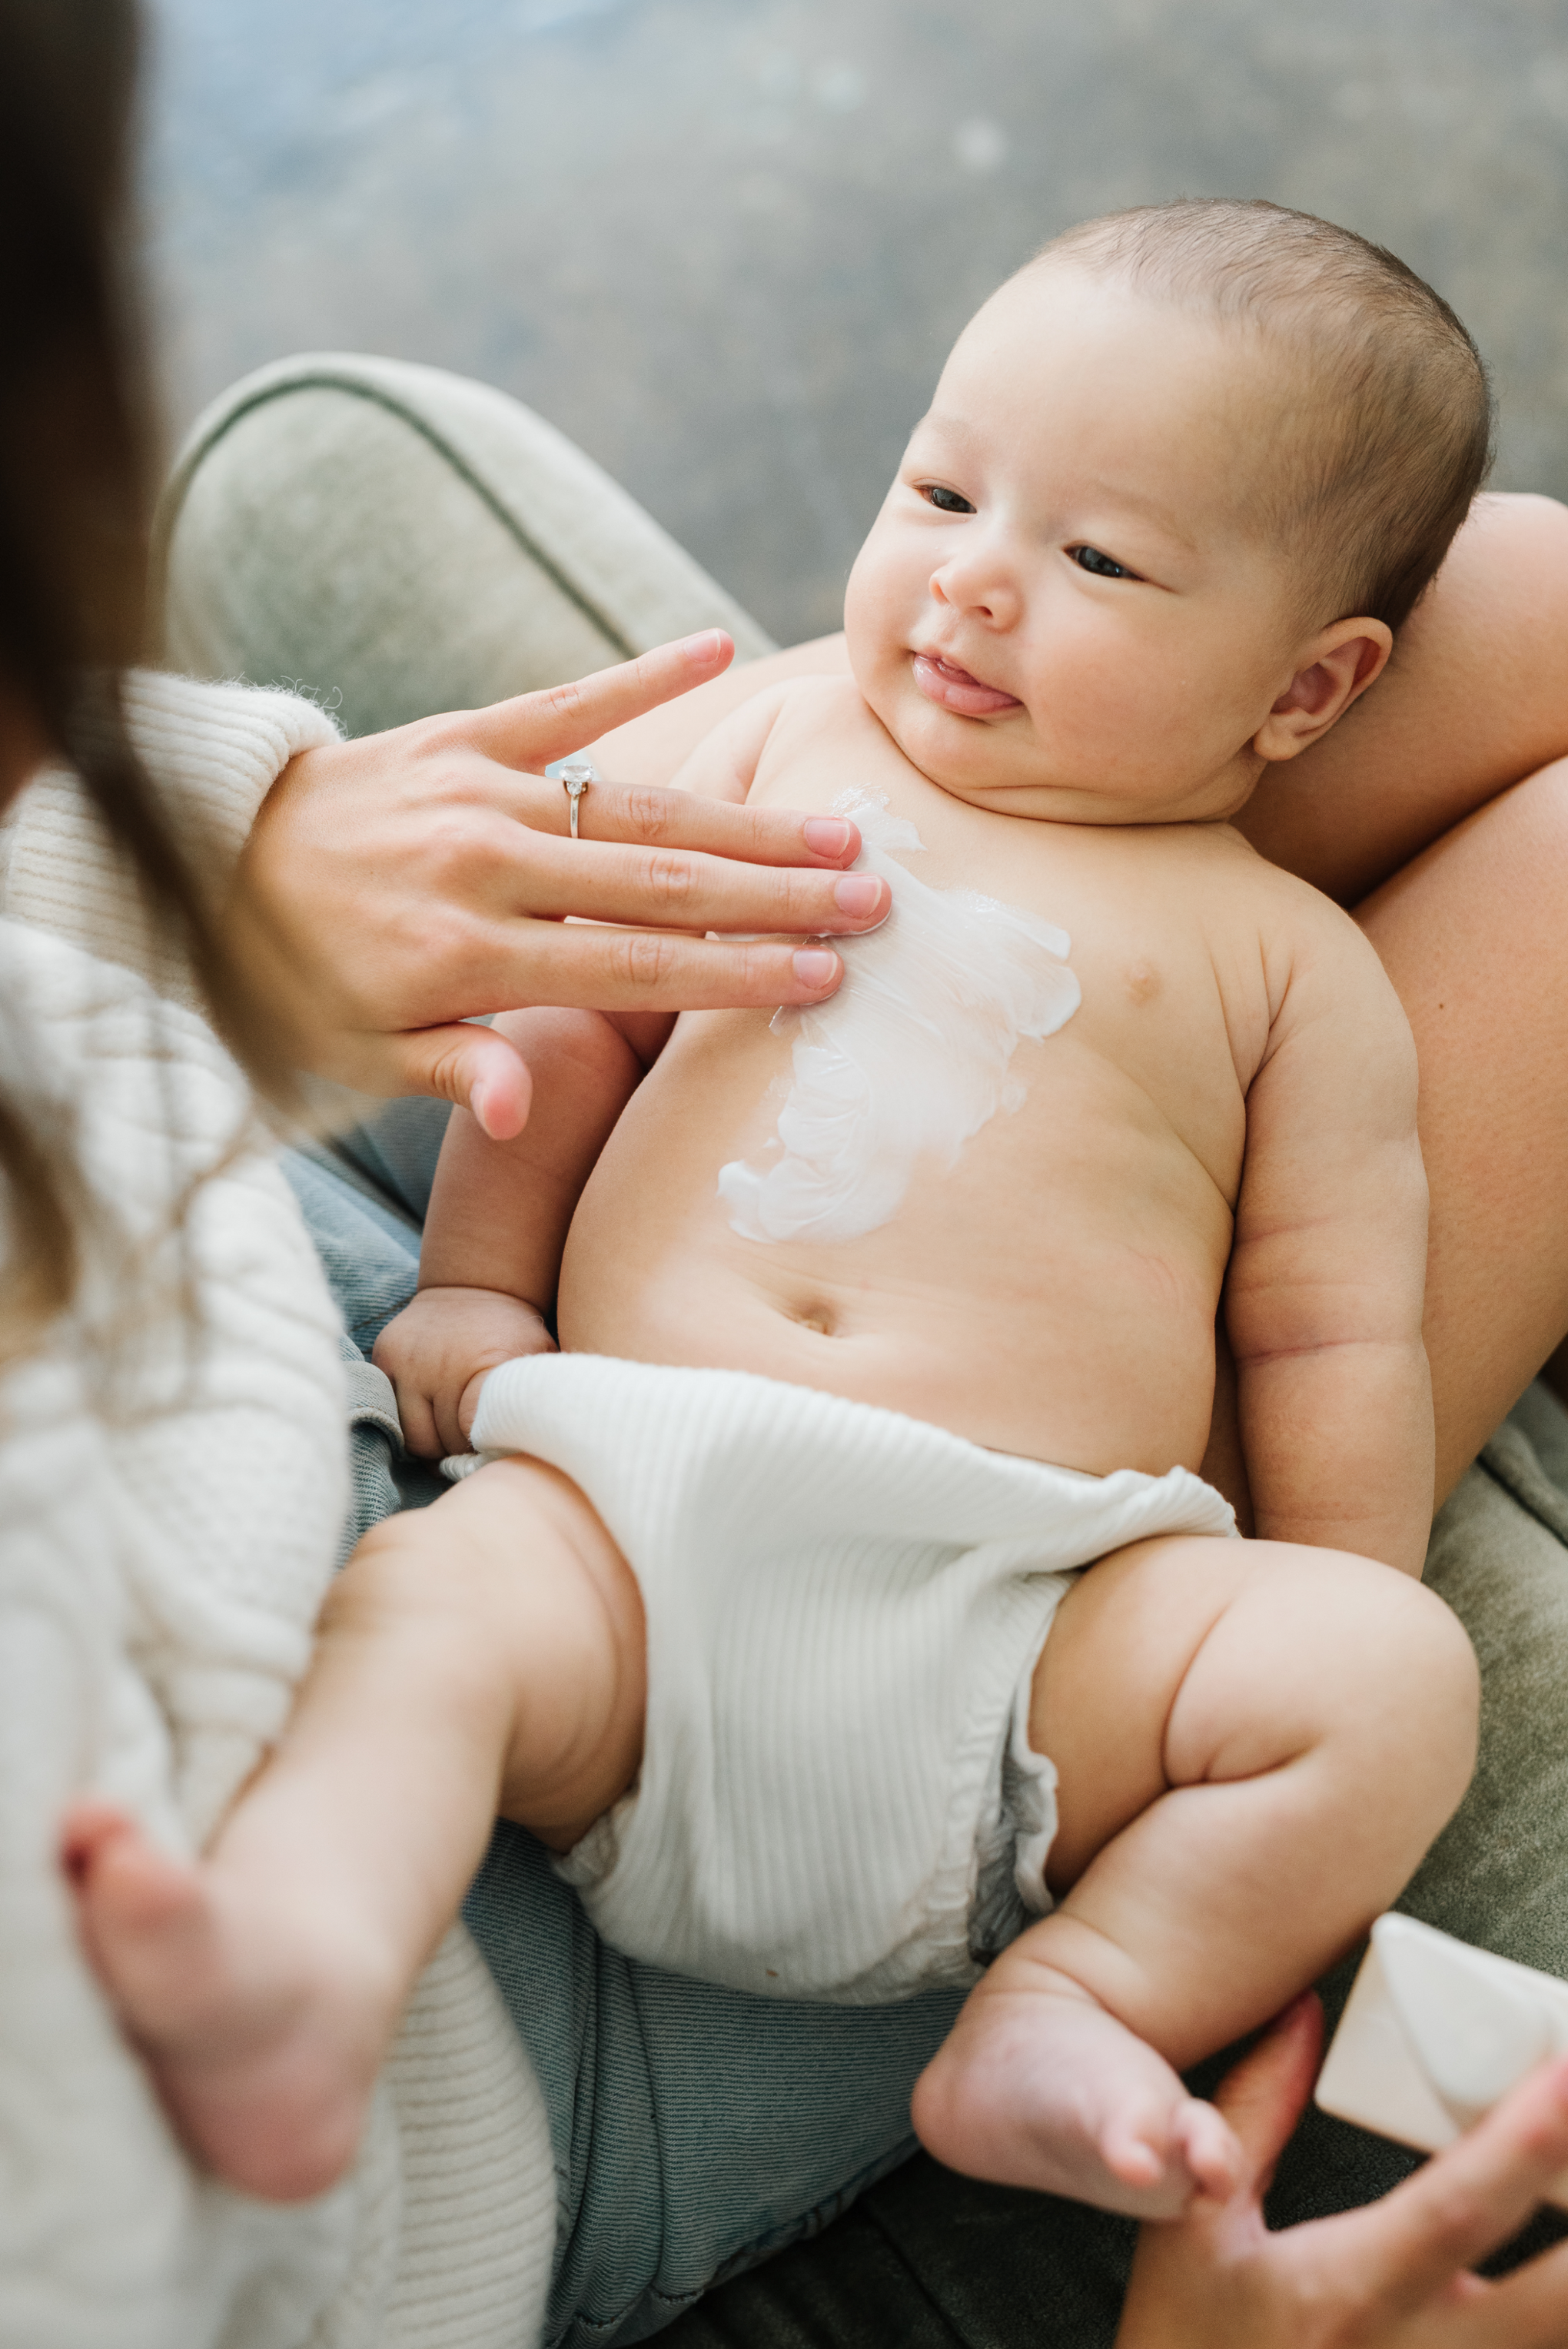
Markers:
(944, 501)
(1104, 566)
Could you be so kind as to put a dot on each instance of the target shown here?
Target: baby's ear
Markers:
(1339, 664)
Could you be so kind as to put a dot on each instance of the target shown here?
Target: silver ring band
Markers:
(575, 775)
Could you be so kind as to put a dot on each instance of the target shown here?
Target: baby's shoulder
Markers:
(825, 704)
(1287, 962)
(1290, 916)
(1328, 991)
(821, 739)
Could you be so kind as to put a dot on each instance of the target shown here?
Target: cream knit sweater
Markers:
(170, 1490)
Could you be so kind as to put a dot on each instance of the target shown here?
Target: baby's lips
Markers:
(953, 687)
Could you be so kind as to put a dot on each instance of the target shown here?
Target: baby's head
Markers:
(1182, 478)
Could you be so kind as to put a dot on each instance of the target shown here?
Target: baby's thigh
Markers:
(517, 1559)
(1186, 1659)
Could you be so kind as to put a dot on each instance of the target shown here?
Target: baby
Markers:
(881, 1322)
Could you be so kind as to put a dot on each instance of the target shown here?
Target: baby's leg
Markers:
(1257, 1744)
(485, 1655)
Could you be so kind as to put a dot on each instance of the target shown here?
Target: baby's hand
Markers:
(436, 1353)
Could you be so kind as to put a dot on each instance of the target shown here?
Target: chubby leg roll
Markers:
(1256, 1742)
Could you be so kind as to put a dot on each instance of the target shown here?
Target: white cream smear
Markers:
(912, 1055)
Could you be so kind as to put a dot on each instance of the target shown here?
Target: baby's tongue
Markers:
(952, 687)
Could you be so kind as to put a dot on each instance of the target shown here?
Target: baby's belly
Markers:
(1021, 1299)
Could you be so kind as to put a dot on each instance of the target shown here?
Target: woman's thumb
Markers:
(470, 1065)
(1263, 2097)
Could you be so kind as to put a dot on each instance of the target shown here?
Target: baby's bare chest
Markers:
(1157, 926)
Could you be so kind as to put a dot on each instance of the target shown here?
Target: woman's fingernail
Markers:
(704, 646)
(858, 893)
(827, 835)
(815, 968)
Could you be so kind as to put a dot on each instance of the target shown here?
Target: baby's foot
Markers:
(264, 2030)
(1047, 2089)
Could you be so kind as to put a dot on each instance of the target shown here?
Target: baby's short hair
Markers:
(1398, 436)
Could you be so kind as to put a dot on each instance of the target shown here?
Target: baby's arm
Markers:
(1327, 1274)
(500, 1211)
(499, 1215)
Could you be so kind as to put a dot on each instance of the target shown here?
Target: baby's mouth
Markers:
(943, 682)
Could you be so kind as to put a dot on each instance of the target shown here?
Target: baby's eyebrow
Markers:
(967, 439)
(956, 428)
(1144, 502)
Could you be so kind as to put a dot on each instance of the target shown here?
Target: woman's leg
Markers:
(1474, 934)
(1475, 698)
(1422, 782)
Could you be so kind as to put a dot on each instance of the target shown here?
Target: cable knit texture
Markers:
(215, 751)
(173, 1480)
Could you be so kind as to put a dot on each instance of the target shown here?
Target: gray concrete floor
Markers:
(725, 244)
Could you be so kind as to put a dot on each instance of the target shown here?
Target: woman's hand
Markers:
(396, 886)
(1394, 2275)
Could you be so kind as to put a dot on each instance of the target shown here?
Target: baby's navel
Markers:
(1143, 982)
(815, 1316)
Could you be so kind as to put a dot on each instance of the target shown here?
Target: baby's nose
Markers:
(985, 595)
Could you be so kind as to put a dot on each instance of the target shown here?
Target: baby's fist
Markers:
(438, 1352)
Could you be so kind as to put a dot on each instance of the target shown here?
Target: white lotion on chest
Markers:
(910, 1056)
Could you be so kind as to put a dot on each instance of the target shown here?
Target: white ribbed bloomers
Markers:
(845, 1608)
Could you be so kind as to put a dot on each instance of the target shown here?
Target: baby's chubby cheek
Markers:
(880, 615)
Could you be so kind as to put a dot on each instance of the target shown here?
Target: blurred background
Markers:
(726, 243)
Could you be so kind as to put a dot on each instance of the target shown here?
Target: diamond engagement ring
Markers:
(575, 775)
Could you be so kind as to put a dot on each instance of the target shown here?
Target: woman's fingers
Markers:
(1530, 2310)
(661, 887)
(395, 887)
(584, 967)
(536, 728)
(1399, 2252)
(587, 969)
(642, 815)
(1391, 2276)
(1263, 2096)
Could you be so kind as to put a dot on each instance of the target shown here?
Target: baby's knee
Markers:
(1318, 1652)
(1410, 1696)
(1447, 1680)
(401, 1574)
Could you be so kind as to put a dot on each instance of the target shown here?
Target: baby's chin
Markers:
(997, 763)
(974, 758)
